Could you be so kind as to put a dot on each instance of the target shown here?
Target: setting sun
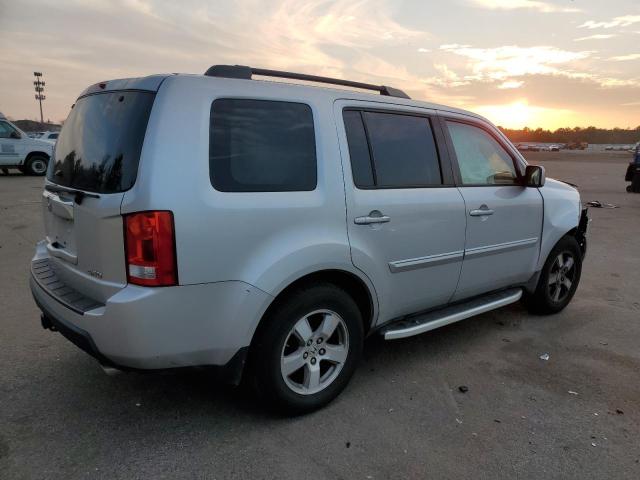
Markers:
(520, 114)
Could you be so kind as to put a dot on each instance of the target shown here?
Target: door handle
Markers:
(369, 219)
(481, 212)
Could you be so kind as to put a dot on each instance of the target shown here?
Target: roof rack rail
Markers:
(244, 72)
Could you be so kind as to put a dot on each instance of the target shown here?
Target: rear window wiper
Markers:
(79, 194)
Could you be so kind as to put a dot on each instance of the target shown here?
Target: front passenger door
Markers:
(504, 218)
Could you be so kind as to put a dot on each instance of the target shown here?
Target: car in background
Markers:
(17, 150)
(49, 137)
(554, 148)
(633, 171)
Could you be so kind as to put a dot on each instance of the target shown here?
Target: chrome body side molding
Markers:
(428, 261)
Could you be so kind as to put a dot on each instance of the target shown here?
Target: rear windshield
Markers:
(98, 149)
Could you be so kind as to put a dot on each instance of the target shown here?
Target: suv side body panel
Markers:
(502, 248)
(562, 209)
(414, 260)
(264, 239)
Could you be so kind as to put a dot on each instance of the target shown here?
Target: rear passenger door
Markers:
(405, 218)
(504, 217)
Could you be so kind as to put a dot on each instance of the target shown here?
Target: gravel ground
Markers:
(402, 416)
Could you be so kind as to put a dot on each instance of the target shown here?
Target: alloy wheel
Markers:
(561, 277)
(314, 352)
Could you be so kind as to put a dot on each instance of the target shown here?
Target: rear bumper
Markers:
(208, 325)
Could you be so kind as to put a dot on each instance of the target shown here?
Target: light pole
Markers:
(39, 87)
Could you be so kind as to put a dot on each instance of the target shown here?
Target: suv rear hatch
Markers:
(95, 161)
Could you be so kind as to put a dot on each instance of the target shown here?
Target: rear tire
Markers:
(307, 350)
(558, 280)
(36, 165)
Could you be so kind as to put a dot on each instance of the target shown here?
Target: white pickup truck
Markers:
(17, 150)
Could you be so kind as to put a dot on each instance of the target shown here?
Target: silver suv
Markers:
(264, 229)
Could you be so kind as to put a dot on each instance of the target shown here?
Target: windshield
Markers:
(99, 147)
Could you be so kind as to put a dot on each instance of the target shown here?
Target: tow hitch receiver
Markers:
(46, 323)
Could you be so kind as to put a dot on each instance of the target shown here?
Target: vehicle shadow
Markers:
(194, 394)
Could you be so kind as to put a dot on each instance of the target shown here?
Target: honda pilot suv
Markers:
(264, 229)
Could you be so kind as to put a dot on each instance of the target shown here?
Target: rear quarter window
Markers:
(261, 146)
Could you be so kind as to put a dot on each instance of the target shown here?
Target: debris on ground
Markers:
(598, 204)
(463, 388)
(348, 444)
(544, 356)
(571, 392)
(619, 412)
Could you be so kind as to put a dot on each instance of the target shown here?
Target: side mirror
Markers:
(534, 176)
(15, 135)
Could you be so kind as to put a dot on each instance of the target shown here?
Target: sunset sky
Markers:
(546, 63)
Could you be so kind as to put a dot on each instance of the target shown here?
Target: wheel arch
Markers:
(37, 152)
(359, 288)
(32, 154)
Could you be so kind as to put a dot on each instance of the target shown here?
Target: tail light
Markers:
(150, 249)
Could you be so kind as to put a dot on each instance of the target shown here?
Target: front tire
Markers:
(36, 165)
(308, 348)
(558, 280)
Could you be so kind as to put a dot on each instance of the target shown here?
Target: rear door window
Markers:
(358, 149)
(262, 146)
(98, 149)
(392, 150)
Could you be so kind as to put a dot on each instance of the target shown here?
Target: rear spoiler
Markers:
(151, 84)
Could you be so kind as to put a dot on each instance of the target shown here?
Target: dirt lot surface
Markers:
(576, 415)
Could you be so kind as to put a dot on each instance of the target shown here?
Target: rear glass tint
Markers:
(404, 150)
(99, 147)
(261, 146)
(358, 149)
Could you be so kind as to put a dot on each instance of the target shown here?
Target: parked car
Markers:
(49, 136)
(633, 171)
(554, 148)
(264, 229)
(18, 150)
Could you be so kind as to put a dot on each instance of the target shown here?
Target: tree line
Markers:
(576, 134)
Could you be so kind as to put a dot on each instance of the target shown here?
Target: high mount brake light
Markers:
(150, 249)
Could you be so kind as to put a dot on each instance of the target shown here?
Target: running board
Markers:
(439, 318)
